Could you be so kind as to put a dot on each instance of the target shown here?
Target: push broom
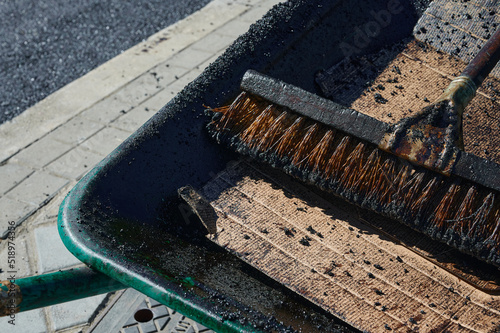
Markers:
(414, 171)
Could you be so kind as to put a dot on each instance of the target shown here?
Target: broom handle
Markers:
(484, 62)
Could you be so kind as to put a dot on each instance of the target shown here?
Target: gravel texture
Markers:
(45, 45)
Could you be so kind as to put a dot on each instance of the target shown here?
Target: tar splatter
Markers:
(311, 230)
(305, 241)
(288, 232)
(380, 99)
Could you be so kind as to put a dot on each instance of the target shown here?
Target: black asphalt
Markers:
(44, 45)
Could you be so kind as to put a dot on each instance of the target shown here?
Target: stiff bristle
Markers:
(462, 214)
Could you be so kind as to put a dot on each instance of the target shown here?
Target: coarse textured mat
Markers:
(323, 249)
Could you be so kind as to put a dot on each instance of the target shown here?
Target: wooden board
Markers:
(321, 249)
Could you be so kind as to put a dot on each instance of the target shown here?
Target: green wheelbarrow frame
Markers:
(124, 218)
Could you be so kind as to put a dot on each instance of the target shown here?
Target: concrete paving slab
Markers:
(51, 209)
(205, 64)
(74, 313)
(42, 152)
(233, 28)
(139, 90)
(75, 131)
(268, 4)
(12, 174)
(25, 322)
(213, 43)
(75, 163)
(179, 84)
(49, 212)
(37, 189)
(52, 254)
(106, 110)
(12, 210)
(104, 141)
(165, 73)
(133, 119)
(189, 58)
(214, 15)
(154, 104)
(254, 14)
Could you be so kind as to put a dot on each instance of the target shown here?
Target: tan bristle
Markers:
(425, 195)
(234, 113)
(410, 191)
(482, 214)
(307, 143)
(444, 210)
(252, 134)
(318, 158)
(495, 234)
(276, 129)
(368, 171)
(352, 167)
(391, 176)
(381, 187)
(285, 145)
(337, 159)
(466, 211)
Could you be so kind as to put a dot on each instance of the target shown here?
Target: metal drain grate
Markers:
(134, 312)
(163, 319)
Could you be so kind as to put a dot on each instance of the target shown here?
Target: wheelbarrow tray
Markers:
(123, 218)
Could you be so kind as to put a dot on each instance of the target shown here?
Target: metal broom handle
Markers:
(484, 62)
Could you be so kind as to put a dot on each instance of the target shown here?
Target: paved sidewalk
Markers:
(49, 147)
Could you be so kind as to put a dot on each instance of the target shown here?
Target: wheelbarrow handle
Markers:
(53, 288)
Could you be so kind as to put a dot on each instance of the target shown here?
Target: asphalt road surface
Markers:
(45, 45)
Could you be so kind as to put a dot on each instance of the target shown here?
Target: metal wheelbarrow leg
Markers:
(17, 295)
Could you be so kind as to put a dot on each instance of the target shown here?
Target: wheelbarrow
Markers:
(126, 221)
